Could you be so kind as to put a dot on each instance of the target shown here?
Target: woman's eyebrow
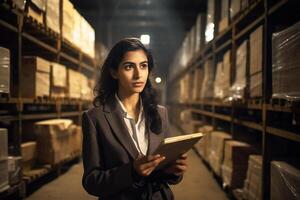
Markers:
(127, 62)
(144, 62)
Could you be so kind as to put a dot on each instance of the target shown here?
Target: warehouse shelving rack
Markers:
(24, 36)
(256, 115)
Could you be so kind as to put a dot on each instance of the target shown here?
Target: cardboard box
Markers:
(198, 79)
(256, 50)
(235, 163)
(200, 23)
(207, 90)
(235, 6)
(53, 15)
(19, 4)
(256, 85)
(58, 80)
(3, 174)
(29, 155)
(36, 75)
(3, 143)
(74, 84)
(40, 4)
(285, 180)
(14, 169)
(53, 140)
(68, 20)
(87, 38)
(224, 21)
(217, 150)
(4, 70)
(252, 185)
(203, 146)
(218, 84)
(227, 75)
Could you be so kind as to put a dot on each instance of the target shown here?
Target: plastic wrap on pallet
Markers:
(199, 25)
(207, 90)
(4, 70)
(210, 21)
(224, 15)
(252, 185)
(256, 50)
(14, 169)
(218, 84)
(52, 15)
(36, 75)
(239, 85)
(68, 20)
(285, 181)
(235, 6)
(3, 174)
(217, 150)
(286, 63)
(226, 70)
(256, 85)
(40, 4)
(3, 143)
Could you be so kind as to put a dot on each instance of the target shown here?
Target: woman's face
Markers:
(132, 72)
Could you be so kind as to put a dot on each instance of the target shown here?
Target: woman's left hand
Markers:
(178, 167)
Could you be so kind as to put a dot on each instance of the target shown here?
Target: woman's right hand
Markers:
(144, 165)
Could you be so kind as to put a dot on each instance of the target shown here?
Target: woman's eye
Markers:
(144, 66)
(128, 67)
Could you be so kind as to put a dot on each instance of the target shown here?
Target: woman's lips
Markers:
(137, 84)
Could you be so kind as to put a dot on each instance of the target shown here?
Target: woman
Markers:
(124, 128)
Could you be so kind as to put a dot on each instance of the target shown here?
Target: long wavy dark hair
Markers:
(108, 86)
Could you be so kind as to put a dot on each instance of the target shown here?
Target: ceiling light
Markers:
(145, 39)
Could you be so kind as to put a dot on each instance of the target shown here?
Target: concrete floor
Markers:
(198, 184)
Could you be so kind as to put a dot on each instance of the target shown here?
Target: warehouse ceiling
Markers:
(166, 21)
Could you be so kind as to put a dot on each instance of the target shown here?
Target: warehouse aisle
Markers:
(198, 184)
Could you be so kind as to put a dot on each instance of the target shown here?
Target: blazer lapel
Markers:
(154, 141)
(114, 118)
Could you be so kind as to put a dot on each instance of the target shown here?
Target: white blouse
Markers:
(137, 130)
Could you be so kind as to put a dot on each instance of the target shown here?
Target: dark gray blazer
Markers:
(108, 155)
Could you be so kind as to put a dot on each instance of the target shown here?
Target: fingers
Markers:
(145, 165)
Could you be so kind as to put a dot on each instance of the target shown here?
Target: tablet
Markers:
(173, 147)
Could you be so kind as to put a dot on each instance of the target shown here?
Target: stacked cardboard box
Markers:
(3, 143)
(87, 38)
(3, 159)
(218, 84)
(256, 54)
(203, 146)
(29, 155)
(217, 150)
(14, 169)
(53, 140)
(52, 15)
(207, 90)
(74, 84)
(19, 4)
(198, 78)
(86, 90)
(36, 75)
(58, 80)
(3, 174)
(252, 185)
(4, 70)
(37, 9)
(68, 20)
(199, 26)
(235, 163)
(239, 85)
(235, 6)
(224, 15)
(286, 63)
(285, 180)
(226, 71)
(210, 21)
